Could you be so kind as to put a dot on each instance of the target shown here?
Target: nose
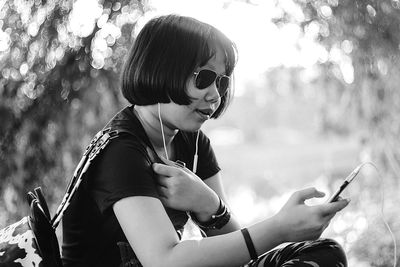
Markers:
(212, 93)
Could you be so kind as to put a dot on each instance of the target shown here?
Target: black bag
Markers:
(32, 241)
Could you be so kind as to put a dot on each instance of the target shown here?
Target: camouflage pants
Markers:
(318, 253)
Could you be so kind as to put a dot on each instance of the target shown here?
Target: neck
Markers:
(148, 116)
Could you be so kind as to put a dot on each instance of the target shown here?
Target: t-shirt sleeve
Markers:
(122, 170)
(207, 165)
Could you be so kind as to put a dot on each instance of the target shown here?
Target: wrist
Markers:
(281, 235)
(217, 220)
(266, 235)
(208, 208)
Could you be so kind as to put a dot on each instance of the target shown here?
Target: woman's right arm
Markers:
(155, 242)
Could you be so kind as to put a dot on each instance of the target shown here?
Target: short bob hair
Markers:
(164, 56)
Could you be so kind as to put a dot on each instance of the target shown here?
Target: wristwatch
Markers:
(217, 221)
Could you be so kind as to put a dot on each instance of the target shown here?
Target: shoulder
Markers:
(126, 145)
(122, 170)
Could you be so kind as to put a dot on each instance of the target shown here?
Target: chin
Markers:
(192, 127)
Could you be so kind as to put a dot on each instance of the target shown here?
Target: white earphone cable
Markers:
(383, 214)
(382, 193)
(196, 157)
(162, 131)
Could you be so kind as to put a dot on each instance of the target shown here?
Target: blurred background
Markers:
(316, 94)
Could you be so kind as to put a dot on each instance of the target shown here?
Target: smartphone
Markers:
(343, 186)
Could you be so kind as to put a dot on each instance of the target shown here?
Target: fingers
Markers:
(333, 207)
(165, 170)
(162, 191)
(178, 164)
(163, 198)
(162, 181)
(303, 195)
(167, 161)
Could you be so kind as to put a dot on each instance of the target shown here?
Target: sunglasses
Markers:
(204, 78)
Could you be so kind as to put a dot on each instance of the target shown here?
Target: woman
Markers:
(146, 183)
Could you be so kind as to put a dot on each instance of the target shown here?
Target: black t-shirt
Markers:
(90, 228)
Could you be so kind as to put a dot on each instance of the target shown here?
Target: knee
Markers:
(322, 252)
(334, 249)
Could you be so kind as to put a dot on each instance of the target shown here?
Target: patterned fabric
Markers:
(18, 246)
(318, 253)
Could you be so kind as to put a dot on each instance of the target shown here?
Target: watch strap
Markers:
(217, 220)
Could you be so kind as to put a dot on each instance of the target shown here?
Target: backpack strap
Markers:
(98, 143)
(115, 127)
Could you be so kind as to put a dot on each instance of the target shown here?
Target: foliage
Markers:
(359, 75)
(361, 70)
(59, 71)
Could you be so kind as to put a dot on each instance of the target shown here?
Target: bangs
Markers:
(208, 49)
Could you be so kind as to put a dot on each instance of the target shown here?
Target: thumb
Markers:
(177, 164)
(333, 207)
(303, 195)
(167, 161)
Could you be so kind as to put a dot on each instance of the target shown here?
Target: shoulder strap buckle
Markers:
(101, 142)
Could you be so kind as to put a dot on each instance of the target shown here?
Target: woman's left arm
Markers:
(215, 183)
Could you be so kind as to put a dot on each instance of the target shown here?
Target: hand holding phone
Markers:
(346, 182)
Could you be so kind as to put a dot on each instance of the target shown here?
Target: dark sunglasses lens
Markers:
(223, 85)
(205, 78)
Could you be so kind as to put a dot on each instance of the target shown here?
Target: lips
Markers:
(205, 113)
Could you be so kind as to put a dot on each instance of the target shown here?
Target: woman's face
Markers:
(204, 101)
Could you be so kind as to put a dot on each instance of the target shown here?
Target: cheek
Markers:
(193, 92)
(183, 112)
